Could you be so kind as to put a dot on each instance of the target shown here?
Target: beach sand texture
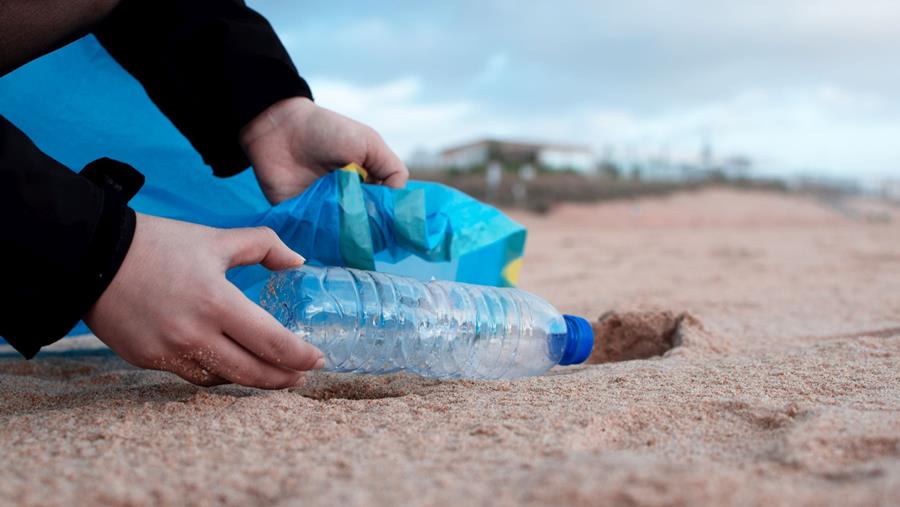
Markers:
(778, 321)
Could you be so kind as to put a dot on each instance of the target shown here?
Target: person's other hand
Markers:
(294, 142)
(171, 308)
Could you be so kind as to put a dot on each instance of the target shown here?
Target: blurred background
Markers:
(532, 103)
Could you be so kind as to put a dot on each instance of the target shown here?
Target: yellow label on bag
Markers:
(512, 270)
(353, 167)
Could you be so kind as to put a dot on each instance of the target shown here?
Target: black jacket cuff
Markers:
(109, 244)
(119, 182)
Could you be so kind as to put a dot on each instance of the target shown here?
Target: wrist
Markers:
(272, 119)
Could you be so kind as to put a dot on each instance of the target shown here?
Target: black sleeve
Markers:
(62, 238)
(210, 65)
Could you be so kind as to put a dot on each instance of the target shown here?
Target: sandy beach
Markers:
(749, 354)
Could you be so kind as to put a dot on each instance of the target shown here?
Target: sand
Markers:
(778, 323)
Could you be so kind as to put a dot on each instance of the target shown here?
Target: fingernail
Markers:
(320, 363)
(302, 258)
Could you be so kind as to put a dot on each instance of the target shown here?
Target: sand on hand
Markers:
(752, 357)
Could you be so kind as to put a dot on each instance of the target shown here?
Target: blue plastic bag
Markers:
(77, 104)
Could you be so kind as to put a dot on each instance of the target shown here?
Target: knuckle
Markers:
(266, 233)
(221, 237)
(172, 329)
(373, 134)
(181, 344)
(185, 344)
(211, 300)
(279, 347)
(184, 335)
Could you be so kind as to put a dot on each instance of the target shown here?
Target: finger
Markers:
(206, 380)
(236, 364)
(259, 332)
(382, 163)
(194, 373)
(259, 245)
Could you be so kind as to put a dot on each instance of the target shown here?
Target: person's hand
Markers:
(171, 308)
(294, 142)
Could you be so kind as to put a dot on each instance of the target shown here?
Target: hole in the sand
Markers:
(624, 336)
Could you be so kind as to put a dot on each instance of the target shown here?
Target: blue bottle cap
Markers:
(579, 340)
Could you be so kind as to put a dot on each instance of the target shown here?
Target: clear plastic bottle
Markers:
(368, 322)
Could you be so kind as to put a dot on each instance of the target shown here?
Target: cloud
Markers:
(396, 110)
(826, 129)
(792, 83)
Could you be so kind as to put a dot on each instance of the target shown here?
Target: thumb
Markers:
(382, 163)
(259, 245)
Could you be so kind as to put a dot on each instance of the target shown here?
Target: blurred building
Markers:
(705, 168)
(890, 189)
(824, 184)
(544, 155)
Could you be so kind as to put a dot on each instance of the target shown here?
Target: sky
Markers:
(799, 86)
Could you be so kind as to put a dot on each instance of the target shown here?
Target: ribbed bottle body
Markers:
(368, 322)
